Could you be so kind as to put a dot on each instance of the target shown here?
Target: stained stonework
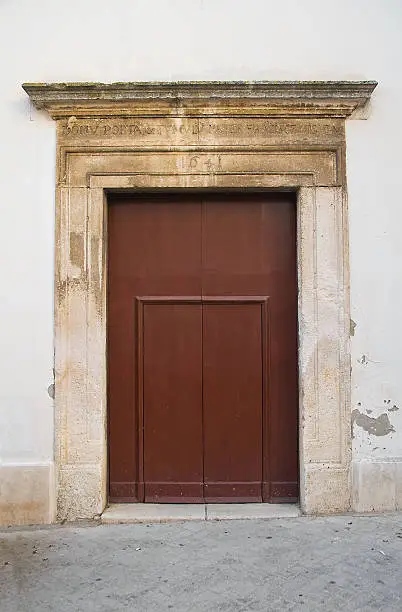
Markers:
(26, 494)
(211, 136)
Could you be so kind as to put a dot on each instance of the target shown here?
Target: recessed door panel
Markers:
(233, 400)
(172, 401)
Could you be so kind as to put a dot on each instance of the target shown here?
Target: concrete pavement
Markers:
(344, 563)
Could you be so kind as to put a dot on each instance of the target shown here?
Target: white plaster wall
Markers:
(99, 40)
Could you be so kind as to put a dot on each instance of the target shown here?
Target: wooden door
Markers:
(202, 348)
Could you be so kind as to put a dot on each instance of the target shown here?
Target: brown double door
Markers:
(202, 348)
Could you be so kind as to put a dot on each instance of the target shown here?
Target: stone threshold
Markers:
(163, 513)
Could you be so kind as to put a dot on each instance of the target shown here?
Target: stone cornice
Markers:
(201, 98)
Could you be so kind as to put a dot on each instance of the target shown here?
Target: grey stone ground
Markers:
(307, 564)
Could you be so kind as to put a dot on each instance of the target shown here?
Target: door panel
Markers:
(232, 399)
(172, 400)
(234, 255)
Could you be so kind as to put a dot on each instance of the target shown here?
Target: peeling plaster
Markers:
(390, 408)
(353, 326)
(50, 391)
(364, 360)
(380, 426)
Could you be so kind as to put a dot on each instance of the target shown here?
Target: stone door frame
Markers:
(209, 136)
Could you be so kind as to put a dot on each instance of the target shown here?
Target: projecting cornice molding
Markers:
(202, 98)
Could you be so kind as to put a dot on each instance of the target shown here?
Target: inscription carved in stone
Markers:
(200, 163)
(102, 130)
(195, 130)
(190, 127)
